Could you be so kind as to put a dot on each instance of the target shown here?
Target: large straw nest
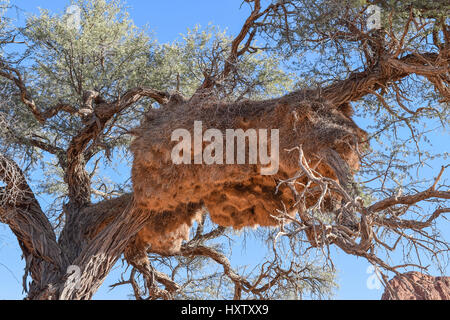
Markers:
(235, 195)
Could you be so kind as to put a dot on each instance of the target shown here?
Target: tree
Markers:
(79, 94)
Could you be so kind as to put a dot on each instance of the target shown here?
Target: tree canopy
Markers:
(74, 98)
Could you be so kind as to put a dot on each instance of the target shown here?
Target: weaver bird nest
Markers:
(237, 195)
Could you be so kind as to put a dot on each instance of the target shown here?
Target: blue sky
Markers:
(168, 19)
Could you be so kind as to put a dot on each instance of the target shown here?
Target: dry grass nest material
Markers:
(235, 196)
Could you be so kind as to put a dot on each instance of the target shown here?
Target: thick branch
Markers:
(97, 259)
(20, 210)
(388, 71)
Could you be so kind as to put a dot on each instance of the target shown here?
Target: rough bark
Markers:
(21, 211)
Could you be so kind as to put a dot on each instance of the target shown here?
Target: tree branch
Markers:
(388, 71)
(412, 199)
(42, 116)
(21, 211)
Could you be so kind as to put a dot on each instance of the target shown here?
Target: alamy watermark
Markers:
(374, 280)
(374, 19)
(74, 276)
(232, 143)
(73, 17)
